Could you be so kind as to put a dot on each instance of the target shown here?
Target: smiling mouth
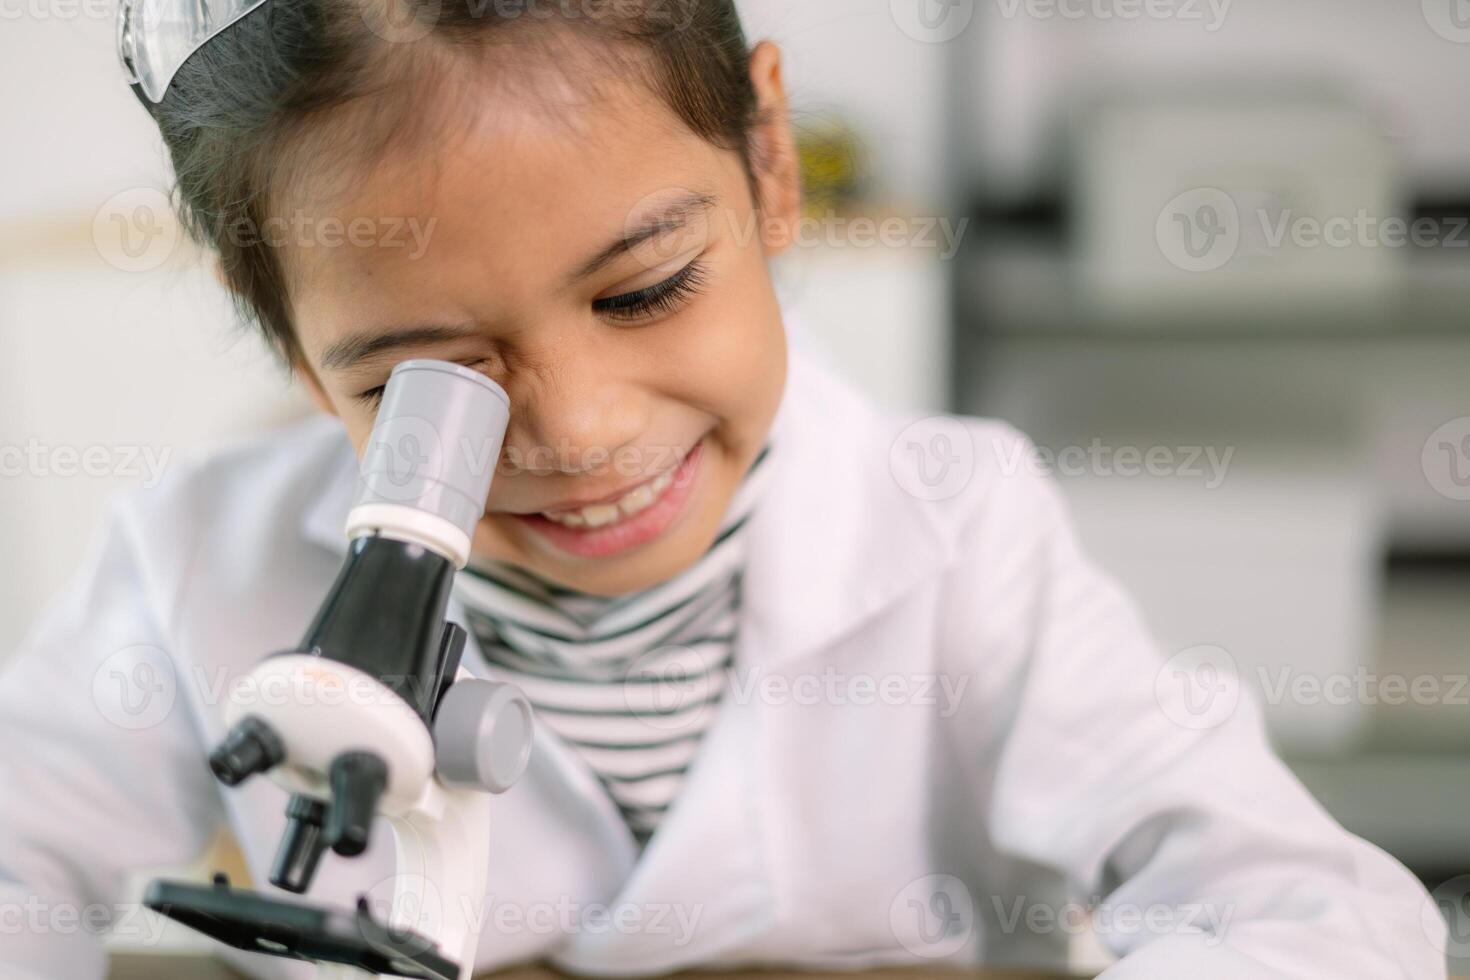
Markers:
(613, 526)
(609, 512)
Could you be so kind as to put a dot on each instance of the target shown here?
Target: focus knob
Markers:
(482, 735)
(358, 780)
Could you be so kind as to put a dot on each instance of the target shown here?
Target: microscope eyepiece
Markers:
(427, 467)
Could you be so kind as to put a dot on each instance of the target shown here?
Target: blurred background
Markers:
(1210, 255)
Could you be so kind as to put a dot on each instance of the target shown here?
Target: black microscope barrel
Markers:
(385, 616)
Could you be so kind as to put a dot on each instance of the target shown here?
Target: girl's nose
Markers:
(575, 418)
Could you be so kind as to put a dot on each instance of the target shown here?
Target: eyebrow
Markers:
(670, 217)
(360, 347)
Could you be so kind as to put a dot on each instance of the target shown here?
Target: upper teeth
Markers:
(600, 515)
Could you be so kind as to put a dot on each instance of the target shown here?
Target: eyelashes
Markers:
(640, 305)
(655, 300)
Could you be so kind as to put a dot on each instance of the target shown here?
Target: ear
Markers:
(773, 151)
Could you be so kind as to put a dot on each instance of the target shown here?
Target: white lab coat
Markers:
(1019, 749)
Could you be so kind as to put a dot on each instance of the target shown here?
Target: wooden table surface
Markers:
(132, 967)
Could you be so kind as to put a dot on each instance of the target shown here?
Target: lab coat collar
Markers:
(837, 539)
(809, 578)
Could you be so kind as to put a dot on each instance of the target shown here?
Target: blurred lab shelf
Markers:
(1288, 384)
(1412, 805)
(1425, 636)
(1033, 289)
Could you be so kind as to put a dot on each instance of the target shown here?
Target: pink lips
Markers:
(630, 532)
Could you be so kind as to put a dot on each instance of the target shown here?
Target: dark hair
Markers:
(255, 106)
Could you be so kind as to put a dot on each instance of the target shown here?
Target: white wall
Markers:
(136, 370)
(126, 358)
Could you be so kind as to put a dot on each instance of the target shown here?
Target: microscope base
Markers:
(354, 941)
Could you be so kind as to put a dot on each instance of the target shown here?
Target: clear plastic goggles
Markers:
(156, 37)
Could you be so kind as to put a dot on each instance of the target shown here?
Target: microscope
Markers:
(375, 716)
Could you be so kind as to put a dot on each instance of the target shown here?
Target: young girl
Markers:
(812, 687)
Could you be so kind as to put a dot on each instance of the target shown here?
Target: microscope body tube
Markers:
(385, 617)
(379, 655)
(424, 477)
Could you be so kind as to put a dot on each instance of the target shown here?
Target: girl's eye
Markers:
(373, 397)
(654, 300)
(641, 304)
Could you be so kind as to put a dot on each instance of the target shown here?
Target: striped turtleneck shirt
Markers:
(629, 682)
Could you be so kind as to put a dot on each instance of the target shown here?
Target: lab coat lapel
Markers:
(838, 538)
(702, 885)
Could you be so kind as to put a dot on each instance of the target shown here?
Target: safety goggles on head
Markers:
(156, 37)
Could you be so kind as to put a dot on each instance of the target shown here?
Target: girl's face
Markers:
(605, 265)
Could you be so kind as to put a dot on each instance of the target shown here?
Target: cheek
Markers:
(721, 359)
(744, 346)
